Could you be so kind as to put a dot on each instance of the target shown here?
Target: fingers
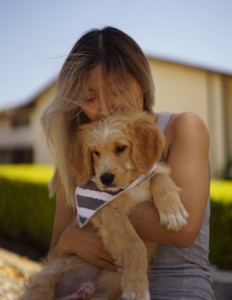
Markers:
(104, 264)
(101, 262)
(102, 259)
(88, 245)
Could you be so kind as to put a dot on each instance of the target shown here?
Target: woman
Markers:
(106, 71)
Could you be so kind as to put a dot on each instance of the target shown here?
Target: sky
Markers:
(37, 35)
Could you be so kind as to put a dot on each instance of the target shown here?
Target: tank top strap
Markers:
(162, 122)
(163, 119)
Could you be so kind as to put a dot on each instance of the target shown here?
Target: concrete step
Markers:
(222, 283)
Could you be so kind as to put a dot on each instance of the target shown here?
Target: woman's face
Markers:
(114, 98)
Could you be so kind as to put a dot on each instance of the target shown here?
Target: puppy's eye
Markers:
(96, 153)
(120, 149)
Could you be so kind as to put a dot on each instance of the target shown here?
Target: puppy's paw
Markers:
(84, 292)
(135, 287)
(129, 295)
(174, 217)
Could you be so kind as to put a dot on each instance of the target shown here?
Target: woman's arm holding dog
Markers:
(68, 238)
(187, 155)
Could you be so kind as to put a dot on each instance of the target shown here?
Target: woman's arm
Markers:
(68, 238)
(187, 155)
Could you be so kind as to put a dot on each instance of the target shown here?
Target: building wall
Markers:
(41, 151)
(228, 114)
(217, 123)
(25, 142)
(178, 88)
(11, 137)
(182, 88)
(16, 138)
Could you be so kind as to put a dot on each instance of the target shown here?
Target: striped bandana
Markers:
(89, 199)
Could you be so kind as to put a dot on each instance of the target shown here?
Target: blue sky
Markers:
(36, 36)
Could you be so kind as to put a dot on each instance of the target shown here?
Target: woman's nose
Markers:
(110, 107)
(113, 108)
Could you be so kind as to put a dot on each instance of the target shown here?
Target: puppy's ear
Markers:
(80, 160)
(147, 142)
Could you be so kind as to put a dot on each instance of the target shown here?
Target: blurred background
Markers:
(189, 47)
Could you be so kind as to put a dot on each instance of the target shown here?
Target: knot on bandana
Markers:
(89, 199)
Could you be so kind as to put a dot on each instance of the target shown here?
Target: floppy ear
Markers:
(147, 142)
(80, 160)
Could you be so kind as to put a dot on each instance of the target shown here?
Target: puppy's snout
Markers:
(107, 178)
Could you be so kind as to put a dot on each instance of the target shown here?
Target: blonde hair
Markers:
(120, 59)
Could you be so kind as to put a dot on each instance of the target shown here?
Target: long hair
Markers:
(120, 59)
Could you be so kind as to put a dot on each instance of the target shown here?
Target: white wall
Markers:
(42, 153)
(11, 137)
(179, 88)
(182, 88)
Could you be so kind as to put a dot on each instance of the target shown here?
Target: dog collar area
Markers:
(89, 199)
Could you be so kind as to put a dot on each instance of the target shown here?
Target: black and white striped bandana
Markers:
(89, 199)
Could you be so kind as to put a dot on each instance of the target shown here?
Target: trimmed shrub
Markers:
(227, 172)
(221, 224)
(26, 212)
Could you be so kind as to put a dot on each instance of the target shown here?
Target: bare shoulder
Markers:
(187, 130)
(187, 123)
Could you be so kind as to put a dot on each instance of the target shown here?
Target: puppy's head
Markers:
(116, 150)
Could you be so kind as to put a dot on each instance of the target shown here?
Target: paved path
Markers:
(14, 271)
(222, 284)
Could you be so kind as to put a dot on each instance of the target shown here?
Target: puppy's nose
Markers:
(107, 178)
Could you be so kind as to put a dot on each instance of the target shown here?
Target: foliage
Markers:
(26, 212)
(221, 224)
(40, 174)
(221, 191)
(227, 172)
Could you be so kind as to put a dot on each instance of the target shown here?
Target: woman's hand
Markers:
(87, 244)
(68, 238)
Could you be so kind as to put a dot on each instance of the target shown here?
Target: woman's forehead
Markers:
(99, 80)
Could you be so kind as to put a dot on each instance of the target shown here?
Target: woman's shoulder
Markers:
(186, 128)
(186, 121)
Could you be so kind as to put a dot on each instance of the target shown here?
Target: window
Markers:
(16, 155)
(17, 122)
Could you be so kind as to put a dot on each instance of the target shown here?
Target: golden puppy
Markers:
(117, 150)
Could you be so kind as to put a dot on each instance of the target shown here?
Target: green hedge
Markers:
(221, 224)
(26, 212)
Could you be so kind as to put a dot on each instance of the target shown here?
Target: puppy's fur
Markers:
(124, 146)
